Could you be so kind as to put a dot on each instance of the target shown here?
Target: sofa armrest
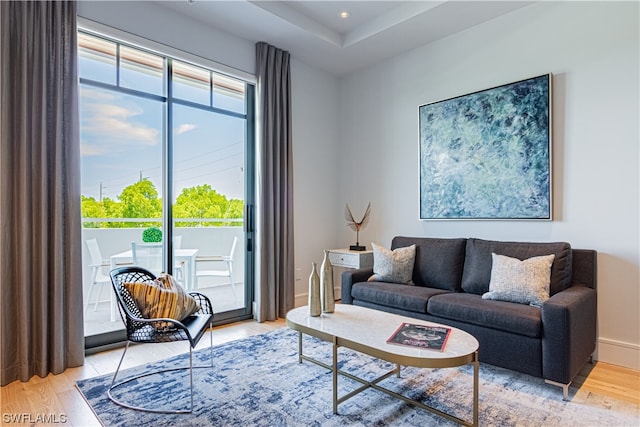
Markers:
(569, 332)
(349, 277)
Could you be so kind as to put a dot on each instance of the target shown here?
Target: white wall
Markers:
(315, 120)
(154, 22)
(592, 49)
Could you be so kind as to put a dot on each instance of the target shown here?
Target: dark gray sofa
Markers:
(450, 275)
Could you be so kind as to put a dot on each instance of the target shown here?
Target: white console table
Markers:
(351, 259)
(344, 258)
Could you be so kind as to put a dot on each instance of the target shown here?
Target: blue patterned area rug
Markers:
(257, 381)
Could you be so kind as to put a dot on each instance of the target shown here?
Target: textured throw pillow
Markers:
(524, 282)
(393, 266)
(162, 297)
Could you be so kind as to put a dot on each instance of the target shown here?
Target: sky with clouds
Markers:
(122, 140)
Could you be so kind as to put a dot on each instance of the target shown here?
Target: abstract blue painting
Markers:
(487, 155)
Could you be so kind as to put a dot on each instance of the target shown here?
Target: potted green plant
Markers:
(152, 235)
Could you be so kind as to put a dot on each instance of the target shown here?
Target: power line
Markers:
(126, 178)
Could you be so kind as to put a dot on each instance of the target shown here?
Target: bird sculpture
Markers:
(357, 225)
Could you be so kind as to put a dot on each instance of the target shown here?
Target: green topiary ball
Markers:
(152, 235)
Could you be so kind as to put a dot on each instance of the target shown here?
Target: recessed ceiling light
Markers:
(344, 14)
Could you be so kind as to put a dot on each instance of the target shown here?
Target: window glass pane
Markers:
(208, 149)
(191, 83)
(208, 208)
(121, 147)
(228, 93)
(121, 153)
(97, 58)
(141, 70)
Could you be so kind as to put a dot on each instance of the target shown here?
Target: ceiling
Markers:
(314, 33)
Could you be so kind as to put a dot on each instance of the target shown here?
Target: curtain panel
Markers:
(40, 225)
(275, 267)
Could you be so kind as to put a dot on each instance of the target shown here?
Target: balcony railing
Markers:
(145, 222)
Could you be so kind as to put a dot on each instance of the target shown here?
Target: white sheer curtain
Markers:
(275, 267)
(40, 230)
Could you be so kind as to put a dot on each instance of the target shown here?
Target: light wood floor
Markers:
(57, 395)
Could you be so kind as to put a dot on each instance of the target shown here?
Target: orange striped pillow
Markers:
(162, 298)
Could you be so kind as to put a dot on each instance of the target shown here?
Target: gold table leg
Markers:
(335, 375)
(476, 386)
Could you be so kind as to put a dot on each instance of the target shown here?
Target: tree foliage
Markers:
(140, 200)
(200, 201)
(92, 209)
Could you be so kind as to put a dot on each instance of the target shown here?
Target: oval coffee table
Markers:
(366, 331)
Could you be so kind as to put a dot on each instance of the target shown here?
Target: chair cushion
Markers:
(478, 262)
(438, 262)
(505, 316)
(524, 282)
(162, 298)
(393, 266)
(410, 298)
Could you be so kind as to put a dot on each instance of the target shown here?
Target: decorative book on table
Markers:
(424, 336)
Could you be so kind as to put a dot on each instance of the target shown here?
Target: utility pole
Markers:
(102, 187)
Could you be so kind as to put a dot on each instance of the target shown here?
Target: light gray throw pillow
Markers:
(524, 282)
(393, 266)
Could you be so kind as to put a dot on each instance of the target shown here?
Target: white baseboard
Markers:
(618, 353)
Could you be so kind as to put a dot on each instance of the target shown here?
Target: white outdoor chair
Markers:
(226, 272)
(178, 269)
(98, 278)
(147, 256)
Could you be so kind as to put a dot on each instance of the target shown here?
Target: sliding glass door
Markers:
(166, 167)
(208, 162)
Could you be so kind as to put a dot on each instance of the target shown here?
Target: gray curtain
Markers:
(40, 230)
(274, 258)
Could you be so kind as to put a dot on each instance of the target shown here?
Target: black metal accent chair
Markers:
(142, 330)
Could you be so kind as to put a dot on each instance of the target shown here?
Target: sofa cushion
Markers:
(395, 266)
(410, 298)
(505, 316)
(477, 263)
(438, 263)
(524, 282)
